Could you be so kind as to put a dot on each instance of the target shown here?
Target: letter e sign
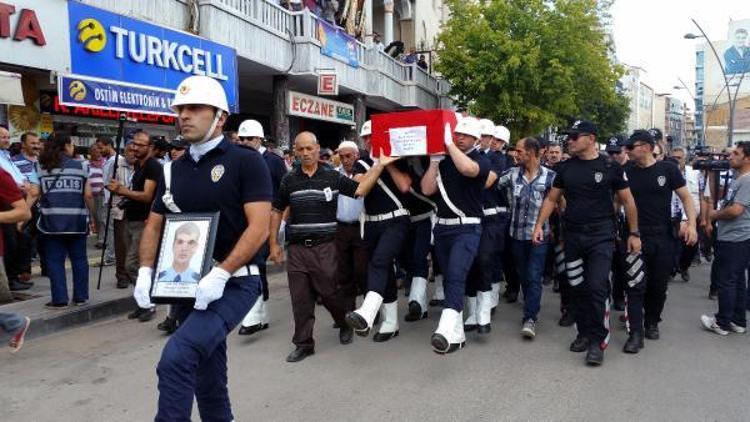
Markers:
(328, 84)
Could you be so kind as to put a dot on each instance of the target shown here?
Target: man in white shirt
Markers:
(684, 254)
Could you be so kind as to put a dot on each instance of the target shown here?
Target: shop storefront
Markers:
(330, 120)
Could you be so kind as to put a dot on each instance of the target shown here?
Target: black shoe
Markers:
(17, 285)
(335, 325)
(437, 302)
(441, 346)
(595, 355)
(685, 275)
(580, 344)
(50, 305)
(711, 294)
(357, 323)
(511, 297)
(136, 313)
(299, 353)
(246, 331)
(147, 315)
(556, 285)
(415, 312)
(634, 343)
(122, 284)
(619, 305)
(346, 335)
(470, 327)
(484, 329)
(652, 331)
(383, 337)
(546, 281)
(169, 325)
(566, 320)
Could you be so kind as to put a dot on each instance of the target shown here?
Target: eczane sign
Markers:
(312, 107)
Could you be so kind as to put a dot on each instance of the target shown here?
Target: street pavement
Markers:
(106, 372)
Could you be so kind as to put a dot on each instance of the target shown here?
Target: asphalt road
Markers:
(106, 372)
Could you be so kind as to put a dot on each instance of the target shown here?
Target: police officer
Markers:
(460, 178)
(652, 183)
(251, 135)
(386, 223)
(215, 175)
(500, 162)
(589, 182)
(484, 271)
(616, 151)
(310, 193)
(419, 238)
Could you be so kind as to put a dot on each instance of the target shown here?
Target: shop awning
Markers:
(10, 89)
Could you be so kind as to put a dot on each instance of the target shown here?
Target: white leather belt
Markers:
(387, 216)
(494, 211)
(459, 221)
(421, 217)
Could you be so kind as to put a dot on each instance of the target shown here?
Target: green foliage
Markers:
(531, 64)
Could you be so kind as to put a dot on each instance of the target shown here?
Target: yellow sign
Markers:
(77, 90)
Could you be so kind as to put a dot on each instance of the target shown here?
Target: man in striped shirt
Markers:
(528, 185)
(96, 180)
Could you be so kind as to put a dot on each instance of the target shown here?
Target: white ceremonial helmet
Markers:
(250, 129)
(469, 126)
(200, 89)
(488, 128)
(502, 133)
(366, 129)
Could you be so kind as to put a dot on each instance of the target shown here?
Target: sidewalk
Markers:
(107, 302)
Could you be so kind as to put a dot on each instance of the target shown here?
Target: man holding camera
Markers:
(732, 248)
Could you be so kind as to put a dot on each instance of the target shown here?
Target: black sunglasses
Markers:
(634, 146)
(575, 136)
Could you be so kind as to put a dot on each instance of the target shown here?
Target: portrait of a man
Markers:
(737, 57)
(185, 244)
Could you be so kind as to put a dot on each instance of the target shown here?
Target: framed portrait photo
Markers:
(185, 255)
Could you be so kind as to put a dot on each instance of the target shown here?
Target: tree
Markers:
(532, 64)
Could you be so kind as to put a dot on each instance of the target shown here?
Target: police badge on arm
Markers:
(185, 249)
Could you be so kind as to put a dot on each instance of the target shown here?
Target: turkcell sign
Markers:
(109, 46)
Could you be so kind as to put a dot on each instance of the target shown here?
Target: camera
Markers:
(712, 161)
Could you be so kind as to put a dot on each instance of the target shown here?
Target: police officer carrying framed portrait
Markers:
(235, 182)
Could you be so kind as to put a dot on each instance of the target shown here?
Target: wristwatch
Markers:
(635, 234)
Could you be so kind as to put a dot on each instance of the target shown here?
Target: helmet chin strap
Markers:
(212, 128)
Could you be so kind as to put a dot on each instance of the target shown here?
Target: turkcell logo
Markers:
(117, 48)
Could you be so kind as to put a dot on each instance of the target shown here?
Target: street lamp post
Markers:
(732, 101)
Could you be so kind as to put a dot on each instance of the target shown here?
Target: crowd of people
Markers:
(607, 229)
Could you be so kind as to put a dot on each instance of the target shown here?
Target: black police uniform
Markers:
(419, 238)
(589, 187)
(194, 362)
(652, 188)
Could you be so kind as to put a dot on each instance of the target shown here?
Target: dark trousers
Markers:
(384, 241)
(352, 261)
(619, 278)
(455, 249)
(732, 263)
(657, 251)
(417, 246)
(562, 278)
(588, 257)
(264, 253)
(121, 251)
(484, 270)
(57, 248)
(17, 251)
(194, 360)
(312, 272)
(684, 255)
(530, 259)
(509, 268)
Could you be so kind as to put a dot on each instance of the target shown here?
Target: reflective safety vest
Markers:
(62, 207)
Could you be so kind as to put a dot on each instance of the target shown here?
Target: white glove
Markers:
(143, 287)
(448, 135)
(210, 288)
(436, 158)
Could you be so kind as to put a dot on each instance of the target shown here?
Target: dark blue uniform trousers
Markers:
(384, 241)
(456, 248)
(414, 254)
(194, 360)
(732, 263)
(588, 256)
(487, 266)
